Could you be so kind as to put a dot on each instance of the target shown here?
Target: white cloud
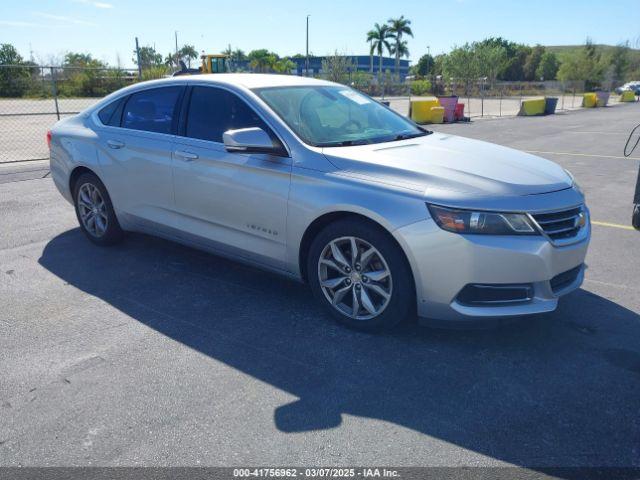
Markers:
(64, 19)
(16, 23)
(95, 3)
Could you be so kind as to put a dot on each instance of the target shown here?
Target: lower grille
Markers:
(564, 224)
(564, 279)
(495, 294)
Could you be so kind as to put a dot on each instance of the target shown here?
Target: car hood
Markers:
(447, 163)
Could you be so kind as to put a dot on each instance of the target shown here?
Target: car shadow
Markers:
(555, 390)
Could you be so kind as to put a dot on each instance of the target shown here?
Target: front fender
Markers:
(315, 194)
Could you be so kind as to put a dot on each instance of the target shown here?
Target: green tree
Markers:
(262, 60)
(188, 53)
(9, 55)
(400, 50)
(513, 69)
(82, 76)
(438, 64)
(425, 65)
(620, 61)
(82, 60)
(462, 65)
(587, 66)
(548, 67)
(148, 57)
(398, 27)
(238, 56)
(379, 41)
(14, 81)
(532, 62)
(337, 68)
(283, 65)
(490, 60)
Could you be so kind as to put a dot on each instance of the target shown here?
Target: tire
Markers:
(92, 200)
(383, 285)
(635, 218)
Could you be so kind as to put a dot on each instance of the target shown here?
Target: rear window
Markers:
(152, 110)
(112, 113)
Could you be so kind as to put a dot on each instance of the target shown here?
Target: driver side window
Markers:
(213, 111)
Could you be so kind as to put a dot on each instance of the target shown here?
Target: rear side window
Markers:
(213, 111)
(152, 110)
(112, 113)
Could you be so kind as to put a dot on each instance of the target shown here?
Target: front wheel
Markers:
(361, 275)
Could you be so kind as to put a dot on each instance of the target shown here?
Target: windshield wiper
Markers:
(405, 136)
(346, 143)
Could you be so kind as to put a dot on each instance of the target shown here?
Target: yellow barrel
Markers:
(534, 106)
(590, 100)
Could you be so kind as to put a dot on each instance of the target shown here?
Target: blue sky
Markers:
(107, 28)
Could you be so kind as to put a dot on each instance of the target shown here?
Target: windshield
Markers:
(331, 116)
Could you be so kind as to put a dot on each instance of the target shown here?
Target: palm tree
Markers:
(378, 40)
(399, 27)
(400, 49)
(189, 52)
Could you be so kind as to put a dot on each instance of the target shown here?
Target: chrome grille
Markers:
(561, 225)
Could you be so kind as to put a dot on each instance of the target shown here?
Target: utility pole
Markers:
(138, 58)
(306, 62)
(176, 35)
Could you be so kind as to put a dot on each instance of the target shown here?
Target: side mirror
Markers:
(250, 140)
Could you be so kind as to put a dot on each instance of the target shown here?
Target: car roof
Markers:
(253, 80)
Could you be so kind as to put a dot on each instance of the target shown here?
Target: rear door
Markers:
(135, 153)
(237, 201)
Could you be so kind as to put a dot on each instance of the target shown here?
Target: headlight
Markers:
(574, 184)
(488, 223)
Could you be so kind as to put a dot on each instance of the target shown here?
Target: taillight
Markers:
(49, 139)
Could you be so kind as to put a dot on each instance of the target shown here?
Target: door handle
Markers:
(186, 156)
(115, 144)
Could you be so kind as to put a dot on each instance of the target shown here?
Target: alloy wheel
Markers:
(355, 278)
(92, 210)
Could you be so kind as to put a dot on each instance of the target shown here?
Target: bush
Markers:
(420, 87)
(153, 73)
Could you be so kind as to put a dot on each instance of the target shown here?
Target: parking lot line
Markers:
(614, 225)
(583, 155)
(598, 133)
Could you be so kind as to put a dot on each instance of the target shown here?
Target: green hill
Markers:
(606, 50)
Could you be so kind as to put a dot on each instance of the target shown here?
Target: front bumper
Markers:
(444, 263)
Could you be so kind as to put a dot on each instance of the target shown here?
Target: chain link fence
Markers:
(33, 98)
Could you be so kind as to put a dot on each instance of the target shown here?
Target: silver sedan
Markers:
(316, 181)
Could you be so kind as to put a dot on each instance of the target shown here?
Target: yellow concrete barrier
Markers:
(437, 114)
(426, 111)
(534, 106)
(589, 100)
(628, 96)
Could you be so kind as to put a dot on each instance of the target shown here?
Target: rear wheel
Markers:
(361, 275)
(95, 212)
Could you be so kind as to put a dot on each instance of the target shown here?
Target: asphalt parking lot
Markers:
(150, 353)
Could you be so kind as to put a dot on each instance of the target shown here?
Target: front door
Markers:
(236, 201)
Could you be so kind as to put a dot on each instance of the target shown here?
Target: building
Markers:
(362, 63)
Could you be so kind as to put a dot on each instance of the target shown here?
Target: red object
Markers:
(459, 112)
(49, 139)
